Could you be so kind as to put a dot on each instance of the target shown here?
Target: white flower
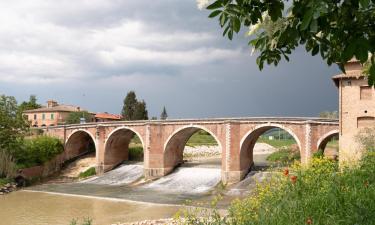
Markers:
(202, 4)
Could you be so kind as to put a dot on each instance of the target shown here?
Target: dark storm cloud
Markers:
(91, 53)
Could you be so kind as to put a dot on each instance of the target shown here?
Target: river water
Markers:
(113, 198)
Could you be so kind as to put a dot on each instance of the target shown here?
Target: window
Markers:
(52, 116)
(366, 93)
(43, 116)
(365, 121)
(35, 116)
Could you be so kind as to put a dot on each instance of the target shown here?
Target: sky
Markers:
(92, 52)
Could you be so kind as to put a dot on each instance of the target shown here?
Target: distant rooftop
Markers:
(108, 116)
(53, 106)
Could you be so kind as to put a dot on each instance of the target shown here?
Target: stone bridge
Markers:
(164, 141)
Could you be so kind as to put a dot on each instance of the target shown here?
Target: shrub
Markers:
(7, 165)
(136, 153)
(88, 173)
(319, 194)
(284, 156)
(37, 151)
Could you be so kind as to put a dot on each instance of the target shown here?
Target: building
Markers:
(50, 115)
(107, 117)
(356, 109)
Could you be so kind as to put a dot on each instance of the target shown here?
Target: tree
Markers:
(75, 117)
(12, 124)
(130, 103)
(329, 115)
(31, 104)
(141, 111)
(134, 109)
(338, 30)
(164, 114)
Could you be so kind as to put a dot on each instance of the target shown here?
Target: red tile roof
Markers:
(108, 116)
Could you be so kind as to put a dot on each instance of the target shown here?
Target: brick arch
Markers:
(77, 142)
(175, 144)
(248, 141)
(324, 139)
(116, 146)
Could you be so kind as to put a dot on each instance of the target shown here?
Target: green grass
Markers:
(88, 173)
(277, 143)
(201, 138)
(333, 144)
(4, 181)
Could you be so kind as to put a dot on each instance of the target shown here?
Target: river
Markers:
(112, 199)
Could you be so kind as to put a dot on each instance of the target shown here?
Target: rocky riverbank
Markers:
(152, 222)
(7, 188)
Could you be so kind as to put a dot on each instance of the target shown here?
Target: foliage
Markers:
(8, 167)
(37, 151)
(284, 156)
(12, 124)
(329, 115)
(31, 104)
(366, 138)
(134, 109)
(164, 114)
(87, 173)
(141, 112)
(338, 30)
(319, 194)
(75, 117)
(4, 181)
(86, 221)
(201, 138)
(136, 153)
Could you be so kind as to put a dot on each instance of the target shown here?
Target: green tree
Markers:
(28, 105)
(75, 117)
(130, 104)
(329, 115)
(164, 114)
(338, 30)
(12, 124)
(134, 109)
(141, 112)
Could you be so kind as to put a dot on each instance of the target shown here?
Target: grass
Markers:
(201, 138)
(88, 173)
(277, 143)
(4, 181)
(320, 194)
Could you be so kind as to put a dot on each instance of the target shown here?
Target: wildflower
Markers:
(293, 179)
(286, 172)
(309, 220)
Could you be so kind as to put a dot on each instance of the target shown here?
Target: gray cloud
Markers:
(91, 52)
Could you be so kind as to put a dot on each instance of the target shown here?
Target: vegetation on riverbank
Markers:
(284, 156)
(87, 173)
(201, 138)
(320, 194)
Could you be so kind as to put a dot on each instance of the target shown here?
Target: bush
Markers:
(136, 153)
(88, 173)
(8, 167)
(284, 156)
(319, 194)
(37, 151)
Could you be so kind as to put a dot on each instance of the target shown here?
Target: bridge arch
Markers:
(79, 142)
(322, 142)
(248, 141)
(176, 142)
(116, 146)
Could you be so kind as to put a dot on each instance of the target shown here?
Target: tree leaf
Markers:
(364, 3)
(314, 26)
(214, 13)
(306, 19)
(217, 4)
(236, 24)
(315, 50)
